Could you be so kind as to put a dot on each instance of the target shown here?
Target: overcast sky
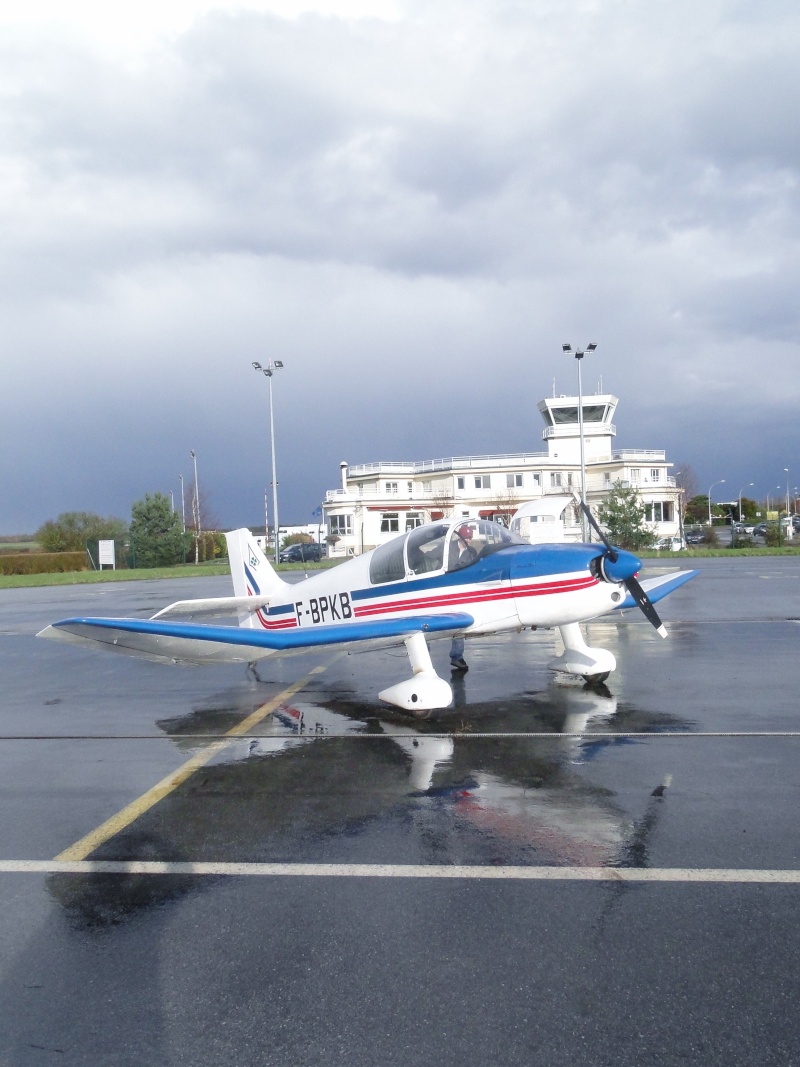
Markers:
(412, 203)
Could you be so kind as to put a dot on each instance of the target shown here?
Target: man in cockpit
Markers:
(461, 552)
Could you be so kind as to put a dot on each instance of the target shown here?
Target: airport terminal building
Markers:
(376, 501)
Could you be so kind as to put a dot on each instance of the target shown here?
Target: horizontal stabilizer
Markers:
(196, 643)
(213, 607)
(658, 588)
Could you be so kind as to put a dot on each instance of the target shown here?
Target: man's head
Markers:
(465, 532)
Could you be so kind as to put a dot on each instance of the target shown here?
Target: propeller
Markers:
(630, 581)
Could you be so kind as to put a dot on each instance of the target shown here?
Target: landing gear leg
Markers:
(425, 690)
(592, 664)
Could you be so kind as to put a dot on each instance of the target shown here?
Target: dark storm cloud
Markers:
(414, 214)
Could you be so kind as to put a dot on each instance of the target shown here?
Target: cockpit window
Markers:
(432, 547)
(475, 539)
(388, 563)
(426, 548)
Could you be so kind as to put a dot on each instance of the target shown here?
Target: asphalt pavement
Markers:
(203, 866)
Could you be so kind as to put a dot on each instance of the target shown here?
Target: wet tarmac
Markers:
(199, 866)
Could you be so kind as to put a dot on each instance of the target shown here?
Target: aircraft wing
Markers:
(194, 643)
(658, 588)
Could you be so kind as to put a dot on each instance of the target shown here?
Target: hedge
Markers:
(43, 562)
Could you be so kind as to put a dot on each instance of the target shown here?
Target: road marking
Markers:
(394, 870)
(462, 735)
(167, 785)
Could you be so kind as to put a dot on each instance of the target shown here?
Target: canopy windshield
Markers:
(438, 546)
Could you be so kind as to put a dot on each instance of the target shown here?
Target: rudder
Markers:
(251, 572)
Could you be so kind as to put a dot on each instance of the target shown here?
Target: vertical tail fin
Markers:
(251, 572)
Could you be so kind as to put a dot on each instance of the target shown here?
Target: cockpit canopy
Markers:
(439, 546)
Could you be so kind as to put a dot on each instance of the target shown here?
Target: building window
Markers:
(655, 474)
(555, 479)
(460, 483)
(537, 480)
(413, 520)
(341, 525)
(658, 511)
(513, 481)
(390, 522)
(482, 481)
(426, 487)
(606, 479)
(410, 487)
(636, 475)
(391, 488)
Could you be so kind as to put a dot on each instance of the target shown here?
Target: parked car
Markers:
(670, 544)
(694, 537)
(760, 529)
(302, 552)
(743, 527)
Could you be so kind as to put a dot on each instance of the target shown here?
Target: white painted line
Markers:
(395, 870)
(461, 735)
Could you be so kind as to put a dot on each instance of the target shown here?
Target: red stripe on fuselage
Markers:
(272, 624)
(565, 585)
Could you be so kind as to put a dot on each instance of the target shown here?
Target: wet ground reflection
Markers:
(336, 780)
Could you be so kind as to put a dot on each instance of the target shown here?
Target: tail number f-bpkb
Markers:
(333, 608)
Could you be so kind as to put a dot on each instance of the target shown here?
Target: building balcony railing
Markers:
(431, 466)
(590, 429)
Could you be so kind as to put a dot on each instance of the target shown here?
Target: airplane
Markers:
(458, 578)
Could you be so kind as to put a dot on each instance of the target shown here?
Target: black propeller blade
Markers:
(631, 584)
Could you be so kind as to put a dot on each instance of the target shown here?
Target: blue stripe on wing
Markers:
(284, 640)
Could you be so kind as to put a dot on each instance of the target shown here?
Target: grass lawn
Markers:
(24, 581)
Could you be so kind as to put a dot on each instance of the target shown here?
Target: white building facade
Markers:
(376, 501)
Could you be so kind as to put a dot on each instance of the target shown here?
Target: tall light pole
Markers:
(272, 365)
(720, 482)
(740, 499)
(196, 509)
(579, 357)
(183, 508)
(786, 469)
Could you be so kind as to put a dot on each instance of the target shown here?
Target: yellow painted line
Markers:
(81, 849)
(696, 875)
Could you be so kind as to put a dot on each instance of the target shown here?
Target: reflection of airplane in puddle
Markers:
(314, 722)
(322, 778)
(459, 579)
(516, 791)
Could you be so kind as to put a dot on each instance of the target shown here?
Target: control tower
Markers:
(562, 427)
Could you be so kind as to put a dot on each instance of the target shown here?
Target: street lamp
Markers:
(720, 482)
(272, 365)
(196, 509)
(579, 356)
(183, 508)
(740, 499)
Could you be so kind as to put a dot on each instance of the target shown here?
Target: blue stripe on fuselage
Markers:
(530, 561)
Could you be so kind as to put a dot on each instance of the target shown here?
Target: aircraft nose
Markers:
(625, 566)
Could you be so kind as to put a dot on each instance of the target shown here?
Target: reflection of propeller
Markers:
(629, 580)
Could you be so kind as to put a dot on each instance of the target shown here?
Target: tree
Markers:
(155, 533)
(622, 513)
(72, 529)
(297, 539)
(697, 509)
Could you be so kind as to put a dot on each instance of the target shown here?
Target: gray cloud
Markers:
(414, 215)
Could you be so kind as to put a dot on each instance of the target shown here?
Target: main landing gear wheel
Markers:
(596, 679)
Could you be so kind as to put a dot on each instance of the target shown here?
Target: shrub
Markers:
(43, 563)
